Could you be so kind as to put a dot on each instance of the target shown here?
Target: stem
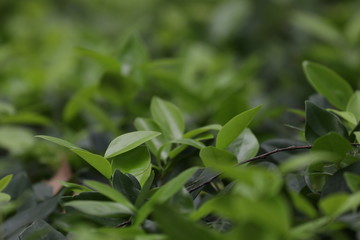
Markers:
(262, 156)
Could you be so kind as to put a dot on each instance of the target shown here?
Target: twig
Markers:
(262, 156)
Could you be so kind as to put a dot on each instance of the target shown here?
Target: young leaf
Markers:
(5, 181)
(233, 128)
(99, 208)
(128, 141)
(213, 157)
(353, 105)
(163, 193)
(110, 193)
(100, 163)
(353, 181)
(329, 84)
(168, 117)
(4, 197)
(320, 122)
(332, 142)
(137, 162)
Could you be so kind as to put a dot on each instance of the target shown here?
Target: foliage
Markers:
(165, 120)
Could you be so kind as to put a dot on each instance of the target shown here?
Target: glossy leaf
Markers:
(233, 128)
(168, 117)
(348, 116)
(244, 146)
(213, 157)
(5, 181)
(124, 184)
(110, 193)
(320, 122)
(189, 142)
(128, 141)
(100, 163)
(99, 208)
(197, 131)
(137, 162)
(329, 84)
(163, 193)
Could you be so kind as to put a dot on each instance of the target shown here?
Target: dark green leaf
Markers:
(320, 122)
(99, 208)
(332, 142)
(41, 230)
(353, 105)
(122, 183)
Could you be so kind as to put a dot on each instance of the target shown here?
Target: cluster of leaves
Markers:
(163, 182)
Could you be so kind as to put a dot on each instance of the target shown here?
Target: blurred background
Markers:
(84, 70)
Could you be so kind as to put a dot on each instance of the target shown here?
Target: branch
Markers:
(262, 156)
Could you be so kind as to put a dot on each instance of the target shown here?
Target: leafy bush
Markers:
(165, 181)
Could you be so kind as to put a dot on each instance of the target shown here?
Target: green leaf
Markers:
(110, 193)
(244, 146)
(347, 116)
(99, 208)
(77, 101)
(5, 181)
(100, 163)
(214, 157)
(329, 84)
(302, 204)
(332, 142)
(233, 128)
(77, 188)
(22, 139)
(189, 142)
(353, 181)
(137, 162)
(302, 160)
(128, 141)
(163, 193)
(168, 117)
(125, 185)
(4, 197)
(357, 135)
(353, 105)
(24, 218)
(320, 122)
(179, 227)
(310, 228)
(197, 131)
(41, 230)
(331, 204)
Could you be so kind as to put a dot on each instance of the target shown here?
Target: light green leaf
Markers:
(197, 131)
(108, 62)
(353, 181)
(4, 197)
(99, 208)
(357, 135)
(331, 204)
(5, 181)
(128, 141)
(353, 105)
(245, 146)
(77, 188)
(163, 193)
(110, 193)
(137, 162)
(329, 84)
(190, 142)
(310, 228)
(347, 116)
(303, 160)
(233, 128)
(22, 139)
(214, 157)
(100, 163)
(168, 117)
(332, 142)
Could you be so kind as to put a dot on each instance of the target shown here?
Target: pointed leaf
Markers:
(353, 105)
(244, 146)
(329, 84)
(213, 157)
(232, 129)
(320, 122)
(99, 208)
(123, 184)
(128, 141)
(59, 141)
(168, 117)
(5, 181)
(110, 193)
